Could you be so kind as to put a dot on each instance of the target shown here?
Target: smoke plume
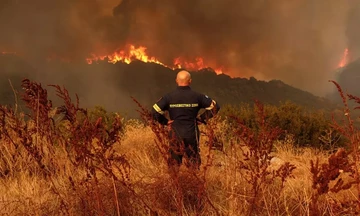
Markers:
(353, 30)
(300, 42)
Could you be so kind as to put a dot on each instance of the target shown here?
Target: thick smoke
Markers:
(300, 42)
(353, 31)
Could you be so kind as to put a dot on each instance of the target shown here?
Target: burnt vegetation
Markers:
(88, 162)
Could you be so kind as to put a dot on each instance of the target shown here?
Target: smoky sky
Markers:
(299, 42)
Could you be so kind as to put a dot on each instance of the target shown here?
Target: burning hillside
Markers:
(139, 53)
(286, 40)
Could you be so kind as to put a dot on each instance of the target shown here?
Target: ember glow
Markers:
(139, 53)
(344, 59)
(7, 53)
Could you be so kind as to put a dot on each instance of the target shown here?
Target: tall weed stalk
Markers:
(341, 171)
(256, 145)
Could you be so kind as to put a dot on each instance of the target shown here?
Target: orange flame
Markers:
(198, 64)
(133, 53)
(125, 56)
(344, 59)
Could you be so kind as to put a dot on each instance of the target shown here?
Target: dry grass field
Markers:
(84, 166)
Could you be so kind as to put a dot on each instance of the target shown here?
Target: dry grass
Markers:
(25, 194)
(81, 168)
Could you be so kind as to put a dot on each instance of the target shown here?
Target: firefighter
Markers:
(183, 106)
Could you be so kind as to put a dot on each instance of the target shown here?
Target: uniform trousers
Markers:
(184, 146)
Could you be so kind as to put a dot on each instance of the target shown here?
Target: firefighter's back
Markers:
(183, 109)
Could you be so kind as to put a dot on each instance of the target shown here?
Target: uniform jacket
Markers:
(183, 105)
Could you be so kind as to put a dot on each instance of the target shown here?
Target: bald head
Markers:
(183, 78)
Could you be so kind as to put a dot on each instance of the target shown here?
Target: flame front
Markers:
(196, 65)
(133, 53)
(137, 53)
(344, 59)
(125, 56)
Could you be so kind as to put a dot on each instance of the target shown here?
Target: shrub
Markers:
(308, 127)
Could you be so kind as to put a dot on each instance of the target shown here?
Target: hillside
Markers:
(112, 85)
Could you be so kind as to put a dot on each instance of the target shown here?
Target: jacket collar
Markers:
(184, 87)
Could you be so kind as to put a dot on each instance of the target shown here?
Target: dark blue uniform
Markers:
(183, 106)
